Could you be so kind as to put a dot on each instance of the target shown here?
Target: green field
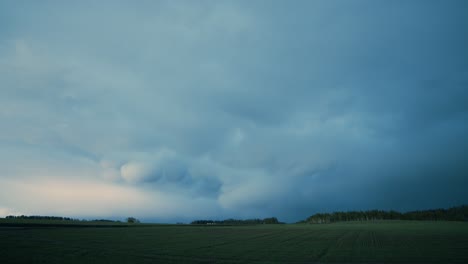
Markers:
(379, 242)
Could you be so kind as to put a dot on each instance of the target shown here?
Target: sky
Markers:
(171, 111)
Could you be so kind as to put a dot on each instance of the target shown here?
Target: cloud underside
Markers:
(185, 110)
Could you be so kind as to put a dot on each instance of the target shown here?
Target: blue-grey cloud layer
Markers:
(232, 109)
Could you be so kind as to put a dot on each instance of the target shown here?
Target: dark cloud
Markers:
(235, 109)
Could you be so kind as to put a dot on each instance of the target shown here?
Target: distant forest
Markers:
(459, 213)
(41, 217)
(55, 218)
(270, 220)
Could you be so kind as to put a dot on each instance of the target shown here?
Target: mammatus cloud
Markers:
(173, 111)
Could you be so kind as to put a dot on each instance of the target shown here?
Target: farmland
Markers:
(355, 242)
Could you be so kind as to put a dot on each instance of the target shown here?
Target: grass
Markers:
(380, 242)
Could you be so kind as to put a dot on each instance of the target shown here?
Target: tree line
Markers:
(130, 220)
(270, 220)
(459, 213)
(41, 217)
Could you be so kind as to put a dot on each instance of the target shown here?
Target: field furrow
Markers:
(379, 242)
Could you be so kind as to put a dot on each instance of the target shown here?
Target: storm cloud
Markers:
(176, 110)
